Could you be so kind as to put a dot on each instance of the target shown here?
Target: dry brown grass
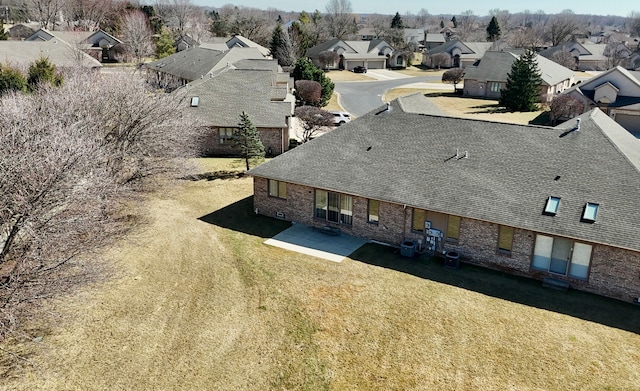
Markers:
(207, 306)
(347, 76)
(334, 104)
(458, 106)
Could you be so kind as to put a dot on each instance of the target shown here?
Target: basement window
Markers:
(195, 101)
(552, 205)
(590, 212)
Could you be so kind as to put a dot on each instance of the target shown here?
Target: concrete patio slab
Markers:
(307, 240)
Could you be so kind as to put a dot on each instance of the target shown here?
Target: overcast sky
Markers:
(480, 8)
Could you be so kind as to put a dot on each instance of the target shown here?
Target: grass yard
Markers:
(336, 75)
(199, 303)
(473, 108)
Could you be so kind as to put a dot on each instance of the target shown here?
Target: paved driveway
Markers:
(307, 240)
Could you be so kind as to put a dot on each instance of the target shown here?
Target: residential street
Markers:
(360, 97)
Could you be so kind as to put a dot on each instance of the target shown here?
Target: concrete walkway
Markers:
(307, 240)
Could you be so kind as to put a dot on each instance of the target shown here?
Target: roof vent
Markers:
(577, 124)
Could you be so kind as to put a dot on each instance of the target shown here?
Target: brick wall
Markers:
(614, 272)
(274, 138)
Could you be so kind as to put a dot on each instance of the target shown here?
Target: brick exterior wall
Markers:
(276, 139)
(613, 272)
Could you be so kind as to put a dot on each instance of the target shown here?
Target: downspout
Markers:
(404, 221)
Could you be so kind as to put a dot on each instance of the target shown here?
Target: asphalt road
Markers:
(360, 97)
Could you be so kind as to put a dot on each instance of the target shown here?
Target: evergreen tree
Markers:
(396, 22)
(11, 80)
(493, 30)
(278, 41)
(43, 71)
(523, 84)
(306, 70)
(164, 44)
(454, 21)
(247, 138)
(441, 24)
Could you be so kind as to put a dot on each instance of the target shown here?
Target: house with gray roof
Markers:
(547, 203)
(59, 53)
(488, 77)
(99, 44)
(256, 87)
(180, 68)
(587, 56)
(455, 54)
(616, 92)
(372, 54)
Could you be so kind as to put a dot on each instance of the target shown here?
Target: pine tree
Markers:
(164, 44)
(247, 138)
(11, 79)
(278, 41)
(396, 22)
(441, 24)
(3, 33)
(493, 30)
(43, 71)
(454, 21)
(523, 84)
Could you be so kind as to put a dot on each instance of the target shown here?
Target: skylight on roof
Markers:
(195, 101)
(552, 205)
(590, 212)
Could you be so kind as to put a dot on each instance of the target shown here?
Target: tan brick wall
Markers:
(274, 138)
(614, 272)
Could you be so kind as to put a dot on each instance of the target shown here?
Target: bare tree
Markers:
(564, 58)
(340, 20)
(439, 60)
(565, 106)
(379, 24)
(46, 11)
(308, 93)
(137, 35)
(71, 158)
(562, 27)
(182, 11)
(313, 120)
(466, 23)
(453, 76)
(503, 17)
(251, 23)
(617, 54)
(328, 58)
(422, 18)
(87, 15)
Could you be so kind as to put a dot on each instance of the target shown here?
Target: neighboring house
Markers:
(533, 201)
(239, 41)
(367, 34)
(455, 54)
(185, 42)
(433, 40)
(489, 76)
(252, 87)
(194, 63)
(60, 54)
(371, 54)
(414, 36)
(99, 44)
(587, 56)
(22, 31)
(616, 92)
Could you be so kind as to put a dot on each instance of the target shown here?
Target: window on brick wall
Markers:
(277, 188)
(561, 256)
(373, 211)
(505, 239)
(334, 207)
(226, 135)
(494, 86)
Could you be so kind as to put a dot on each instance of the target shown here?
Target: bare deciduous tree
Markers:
(308, 92)
(87, 15)
(453, 76)
(466, 23)
(564, 58)
(340, 20)
(46, 11)
(565, 106)
(328, 58)
(561, 28)
(137, 35)
(182, 11)
(71, 159)
(313, 120)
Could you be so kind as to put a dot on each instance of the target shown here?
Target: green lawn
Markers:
(199, 302)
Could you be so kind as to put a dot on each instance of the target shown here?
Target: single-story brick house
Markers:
(455, 54)
(373, 54)
(251, 86)
(534, 201)
(489, 76)
(99, 44)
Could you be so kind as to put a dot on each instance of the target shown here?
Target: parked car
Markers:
(340, 117)
(360, 69)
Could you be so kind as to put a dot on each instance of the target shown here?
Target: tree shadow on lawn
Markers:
(241, 217)
(517, 289)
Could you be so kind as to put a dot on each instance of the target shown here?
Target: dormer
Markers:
(605, 93)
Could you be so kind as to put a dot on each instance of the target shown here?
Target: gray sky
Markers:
(480, 8)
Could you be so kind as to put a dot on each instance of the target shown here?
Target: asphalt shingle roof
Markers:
(508, 174)
(58, 52)
(222, 99)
